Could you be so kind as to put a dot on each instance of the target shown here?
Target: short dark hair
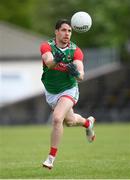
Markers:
(62, 21)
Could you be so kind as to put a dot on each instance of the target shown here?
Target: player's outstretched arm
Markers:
(48, 59)
(51, 60)
(80, 69)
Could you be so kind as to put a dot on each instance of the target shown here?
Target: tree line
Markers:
(111, 19)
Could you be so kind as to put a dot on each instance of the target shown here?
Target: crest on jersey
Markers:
(69, 57)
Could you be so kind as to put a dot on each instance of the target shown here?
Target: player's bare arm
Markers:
(48, 59)
(80, 69)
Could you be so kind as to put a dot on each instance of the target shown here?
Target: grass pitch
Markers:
(22, 149)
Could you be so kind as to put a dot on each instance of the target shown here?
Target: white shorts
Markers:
(72, 94)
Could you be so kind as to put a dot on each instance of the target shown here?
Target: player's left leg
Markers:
(73, 119)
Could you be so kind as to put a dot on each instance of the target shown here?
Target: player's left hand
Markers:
(72, 69)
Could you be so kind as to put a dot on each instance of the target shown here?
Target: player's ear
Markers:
(56, 31)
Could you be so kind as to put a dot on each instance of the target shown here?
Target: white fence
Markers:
(100, 61)
(98, 57)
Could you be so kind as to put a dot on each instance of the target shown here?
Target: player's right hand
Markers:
(59, 56)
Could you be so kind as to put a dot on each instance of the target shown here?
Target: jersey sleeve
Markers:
(78, 54)
(45, 47)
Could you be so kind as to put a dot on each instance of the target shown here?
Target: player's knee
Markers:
(57, 119)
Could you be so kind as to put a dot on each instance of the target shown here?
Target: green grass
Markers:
(22, 149)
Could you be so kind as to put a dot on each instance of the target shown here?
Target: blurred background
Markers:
(24, 25)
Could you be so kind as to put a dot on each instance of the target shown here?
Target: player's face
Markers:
(63, 34)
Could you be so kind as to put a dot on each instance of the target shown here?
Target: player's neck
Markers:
(61, 45)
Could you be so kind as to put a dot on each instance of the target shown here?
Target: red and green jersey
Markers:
(57, 79)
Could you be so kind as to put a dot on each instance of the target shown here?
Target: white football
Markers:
(81, 22)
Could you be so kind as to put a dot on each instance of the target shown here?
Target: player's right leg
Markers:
(73, 119)
(63, 106)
